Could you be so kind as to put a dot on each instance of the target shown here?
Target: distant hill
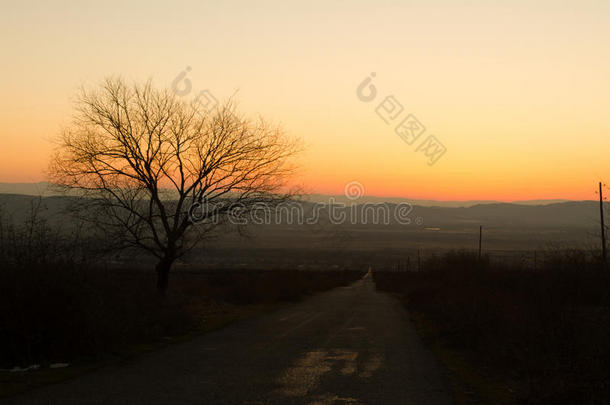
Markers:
(45, 189)
(506, 226)
(425, 203)
(563, 214)
(38, 189)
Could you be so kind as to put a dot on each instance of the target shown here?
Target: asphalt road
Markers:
(351, 345)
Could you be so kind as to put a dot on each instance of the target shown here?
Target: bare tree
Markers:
(142, 159)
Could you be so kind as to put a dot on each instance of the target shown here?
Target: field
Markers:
(510, 334)
(520, 325)
(55, 313)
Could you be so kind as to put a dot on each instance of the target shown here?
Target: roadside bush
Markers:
(548, 328)
(58, 303)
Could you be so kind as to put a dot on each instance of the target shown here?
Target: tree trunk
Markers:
(163, 268)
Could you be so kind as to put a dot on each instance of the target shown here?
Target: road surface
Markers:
(351, 345)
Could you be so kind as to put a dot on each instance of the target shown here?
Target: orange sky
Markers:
(516, 92)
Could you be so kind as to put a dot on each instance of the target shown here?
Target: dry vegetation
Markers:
(58, 305)
(514, 335)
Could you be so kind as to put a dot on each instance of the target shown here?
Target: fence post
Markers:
(601, 215)
(480, 237)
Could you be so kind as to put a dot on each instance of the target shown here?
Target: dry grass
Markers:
(543, 334)
(58, 305)
(60, 313)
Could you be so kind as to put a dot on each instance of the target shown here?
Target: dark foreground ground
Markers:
(512, 334)
(350, 345)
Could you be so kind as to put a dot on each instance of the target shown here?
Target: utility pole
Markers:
(601, 215)
(480, 238)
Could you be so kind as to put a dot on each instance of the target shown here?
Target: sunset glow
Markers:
(517, 93)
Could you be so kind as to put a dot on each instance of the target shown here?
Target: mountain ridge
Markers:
(43, 189)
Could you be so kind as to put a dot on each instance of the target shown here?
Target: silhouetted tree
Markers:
(141, 159)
